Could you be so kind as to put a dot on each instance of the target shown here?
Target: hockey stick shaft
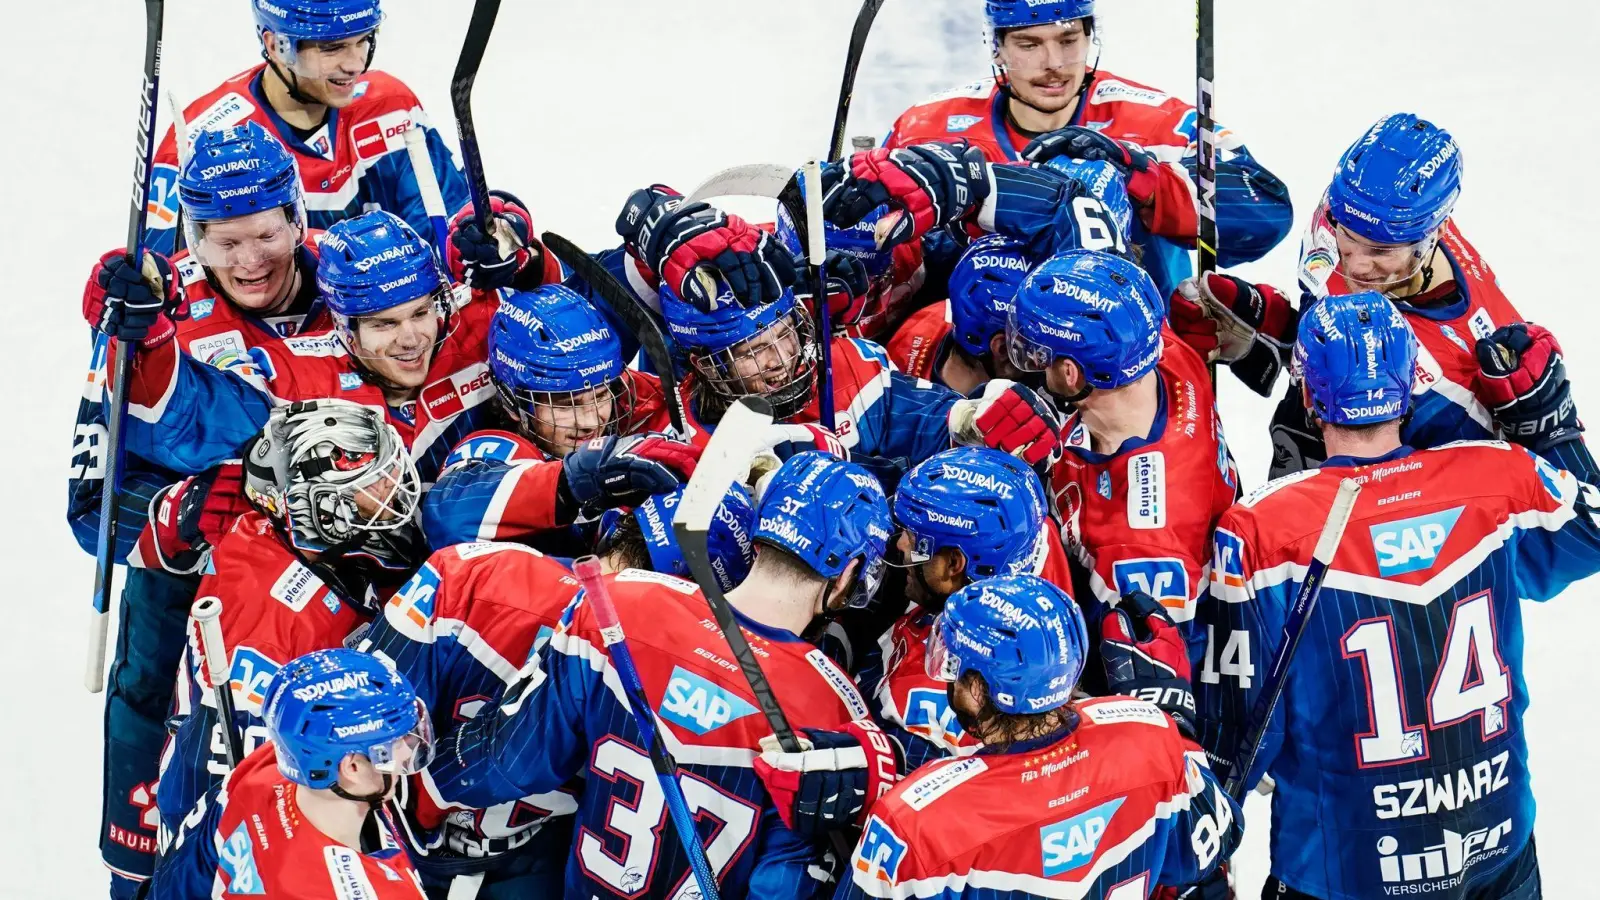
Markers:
(1205, 133)
(631, 310)
(479, 28)
(207, 615)
(847, 85)
(428, 188)
(598, 596)
(1294, 626)
(816, 257)
(94, 676)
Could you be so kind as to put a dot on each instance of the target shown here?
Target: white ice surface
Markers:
(580, 102)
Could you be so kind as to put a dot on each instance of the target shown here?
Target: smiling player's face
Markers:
(327, 71)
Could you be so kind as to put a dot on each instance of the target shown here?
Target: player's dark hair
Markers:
(625, 546)
(999, 730)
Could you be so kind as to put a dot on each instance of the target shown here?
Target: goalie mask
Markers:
(337, 478)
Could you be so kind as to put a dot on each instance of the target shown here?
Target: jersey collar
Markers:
(1000, 123)
(776, 635)
(1350, 462)
(1158, 427)
(1034, 745)
(285, 133)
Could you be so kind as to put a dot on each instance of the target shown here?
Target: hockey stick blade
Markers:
(466, 74)
(1294, 626)
(750, 180)
(598, 596)
(847, 84)
(631, 310)
(726, 459)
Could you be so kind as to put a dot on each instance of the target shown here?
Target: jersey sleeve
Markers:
(535, 740)
(189, 867)
(1243, 626)
(489, 500)
(1559, 538)
(1035, 206)
(899, 417)
(786, 865)
(187, 416)
(1254, 213)
(1207, 830)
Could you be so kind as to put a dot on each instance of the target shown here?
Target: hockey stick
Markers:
(727, 458)
(599, 598)
(633, 314)
(847, 86)
(428, 187)
(472, 48)
(94, 676)
(180, 140)
(1294, 626)
(750, 180)
(207, 615)
(816, 256)
(1206, 136)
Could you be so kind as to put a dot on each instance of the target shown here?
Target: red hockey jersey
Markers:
(915, 347)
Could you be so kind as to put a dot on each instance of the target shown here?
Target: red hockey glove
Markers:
(133, 304)
(928, 184)
(1148, 660)
(190, 517)
(693, 245)
(1231, 315)
(1524, 384)
(1016, 419)
(479, 259)
(1077, 142)
(833, 780)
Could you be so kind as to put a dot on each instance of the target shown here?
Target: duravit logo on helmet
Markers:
(1439, 159)
(1361, 214)
(347, 18)
(784, 529)
(1144, 362)
(272, 9)
(1065, 334)
(398, 282)
(509, 361)
(1081, 294)
(594, 369)
(349, 681)
(238, 192)
(232, 165)
(977, 480)
(999, 261)
(520, 316)
(345, 731)
(1009, 612)
(1387, 410)
(1369, 340)
(953, 521)
(583, 340)
(389, 255)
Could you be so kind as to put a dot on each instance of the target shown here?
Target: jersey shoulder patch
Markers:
(939, 779)
(1123, 710)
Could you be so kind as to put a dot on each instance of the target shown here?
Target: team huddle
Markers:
(980, 609)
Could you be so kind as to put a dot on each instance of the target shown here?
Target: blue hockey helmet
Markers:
(1398, 183)
(1003, 14)
(1097, 309)
(857, 240)
(736, 351)
(730, 542)
(557, 366)
(376, 262)
(826, 512)
(1022, 634)
(235, 172)
(1106, 183)
(985, 503)
(982, 285)
(1357, 356)
(293, 21)
(328, 704)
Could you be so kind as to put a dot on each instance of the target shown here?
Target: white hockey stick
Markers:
(752, 180)
(207, 615)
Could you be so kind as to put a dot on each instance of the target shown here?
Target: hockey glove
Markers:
(488, 262)
(846, 282)
(1296, 442)
(1011, 417)
(690, 246)
(608, 472)
(784, 441)
(1077, 142)
(833, 780)
(1148, 660)
(1524, 384)
(133, 304)
(190, 517)
(1227, 319)
(928, 185)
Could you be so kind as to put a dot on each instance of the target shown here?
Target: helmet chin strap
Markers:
(373, 800)
(1003, 79)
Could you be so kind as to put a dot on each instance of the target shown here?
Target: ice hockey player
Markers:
(304, 815)
(1048, 99)
(557, 371)
(1091, 327)
(822, 527)
(404, 341)
(248, 278)
(962, 515)
(1397, 748)
(315, 93)
(1115, 790)
(642, 538)
(1385, 225)
(332, 531)
(960, 343)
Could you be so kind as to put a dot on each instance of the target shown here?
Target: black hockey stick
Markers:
(95, 673)
(1205, 134)
(477, 41)
(738, 437)
(633, 314)
(207, 615)
(1294, 626)
(852, 62)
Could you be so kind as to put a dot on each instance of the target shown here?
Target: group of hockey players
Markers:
(1012, 602)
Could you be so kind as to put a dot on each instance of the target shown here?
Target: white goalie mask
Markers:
(336, 476)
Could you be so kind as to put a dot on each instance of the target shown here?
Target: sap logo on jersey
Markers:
(1164, 578)
(1071, 843)
(699, 705)
(238, 859)
(958, 124)
(880, 853)
(1410, 545)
